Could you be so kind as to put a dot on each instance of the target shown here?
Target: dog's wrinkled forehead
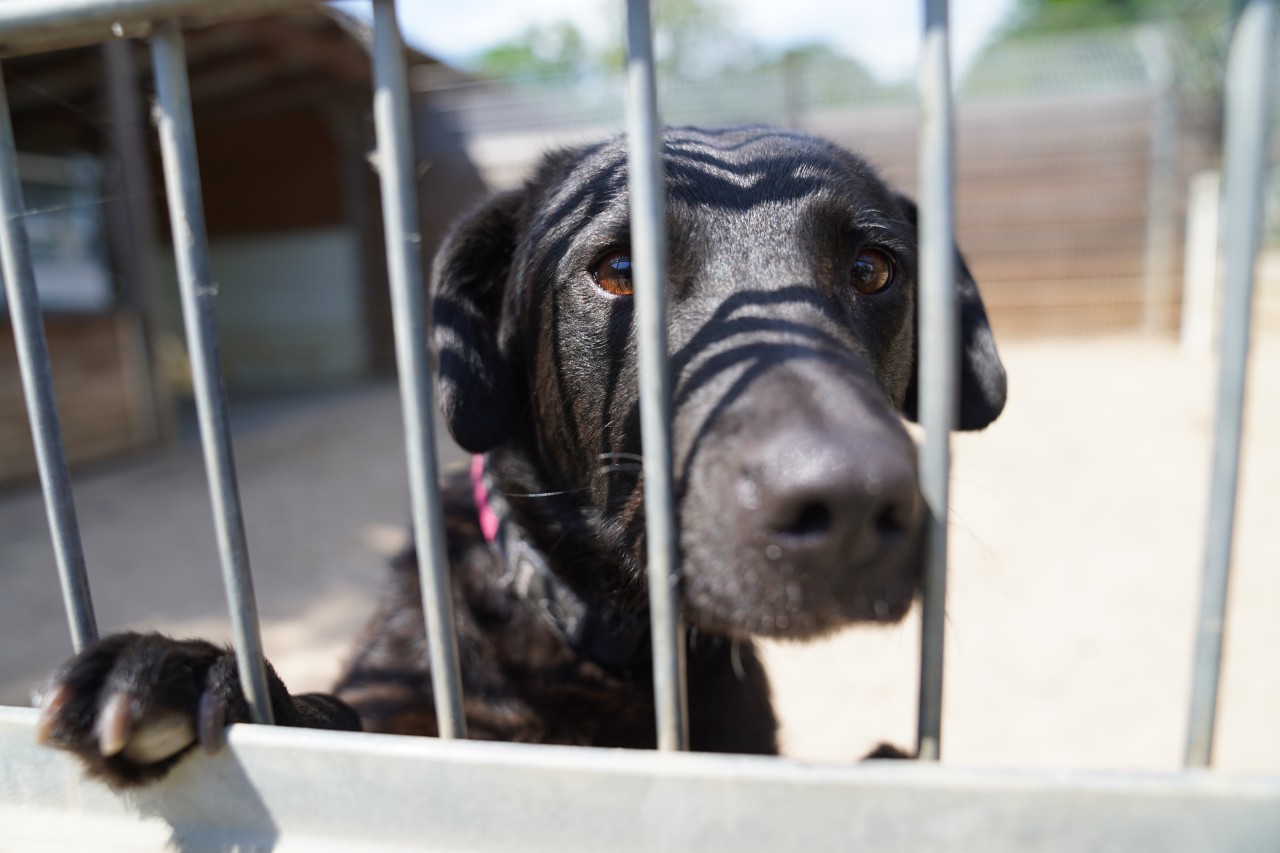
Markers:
(734, 171)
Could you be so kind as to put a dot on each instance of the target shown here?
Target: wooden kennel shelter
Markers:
(298, 789)
(283, 127)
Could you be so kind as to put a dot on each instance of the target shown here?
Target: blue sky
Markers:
(884, 34)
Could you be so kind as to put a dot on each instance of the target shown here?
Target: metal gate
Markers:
(282, 789)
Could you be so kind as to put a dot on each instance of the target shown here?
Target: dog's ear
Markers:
(477, 389)
(982, 377)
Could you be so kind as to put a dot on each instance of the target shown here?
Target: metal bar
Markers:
(134, 226)
(37, 389)
(1247, 101)
(40, 25)
(1161, 236)
(414, 360)
(649, 265)
(938, 347)
(306, 789)
(191, 252)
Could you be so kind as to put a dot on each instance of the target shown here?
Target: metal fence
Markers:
(1068, 147)
(788, 92)
(551, 797)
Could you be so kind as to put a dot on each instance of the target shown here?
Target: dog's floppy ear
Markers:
(477, 390)
(982, 377)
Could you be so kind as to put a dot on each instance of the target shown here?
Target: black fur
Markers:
(796, 482)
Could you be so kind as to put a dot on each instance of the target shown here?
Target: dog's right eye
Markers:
(872, 271)
(612, 273)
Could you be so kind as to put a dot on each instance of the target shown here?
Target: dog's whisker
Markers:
(958, 521)
(545, 494)
(954, 517)
(990, 490)
(620, 455)
(620, 469)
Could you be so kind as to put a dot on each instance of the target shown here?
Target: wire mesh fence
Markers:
(1074, 152)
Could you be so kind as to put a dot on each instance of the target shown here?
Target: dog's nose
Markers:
(836, 502)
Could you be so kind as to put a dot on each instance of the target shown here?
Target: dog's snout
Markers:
(835, 503)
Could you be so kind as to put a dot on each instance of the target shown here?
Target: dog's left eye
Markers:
(872, 271)
(612, 273)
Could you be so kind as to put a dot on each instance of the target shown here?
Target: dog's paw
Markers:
(131, 705)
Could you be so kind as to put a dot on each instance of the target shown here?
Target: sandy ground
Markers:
(1077, 539)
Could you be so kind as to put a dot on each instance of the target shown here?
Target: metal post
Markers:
(649, 259)
(134, 224)
(1248, 97)
(191, 251)
(1162, 175)
(414, 360)
(938, 349)
(1200, 266)
(37, 388)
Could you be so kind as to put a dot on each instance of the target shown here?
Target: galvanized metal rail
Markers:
(938, 347)
(649, 257)
(37, 388)
(1249, 93)
(293, 789)
(34, 26)
(198, 289)
(414, 361)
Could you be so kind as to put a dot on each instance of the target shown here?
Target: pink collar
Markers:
(616, 640)
(488, 518)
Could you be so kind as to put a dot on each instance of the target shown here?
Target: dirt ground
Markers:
(1078, 524)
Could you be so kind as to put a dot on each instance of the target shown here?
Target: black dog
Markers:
(792, 276)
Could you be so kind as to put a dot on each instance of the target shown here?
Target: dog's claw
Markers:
(159, 736)
(212, 722)
(115, 723)
(51, 704)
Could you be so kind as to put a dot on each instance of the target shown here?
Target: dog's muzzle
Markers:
(802, 516)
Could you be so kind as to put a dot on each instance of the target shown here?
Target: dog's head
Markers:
(791, 324)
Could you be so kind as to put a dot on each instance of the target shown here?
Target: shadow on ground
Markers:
(325, 494)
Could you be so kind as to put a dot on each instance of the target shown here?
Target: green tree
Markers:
(695, 38)
(692, 39)
(1050, 16)
(541, 52)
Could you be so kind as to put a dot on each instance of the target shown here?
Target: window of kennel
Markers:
(323, 789)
